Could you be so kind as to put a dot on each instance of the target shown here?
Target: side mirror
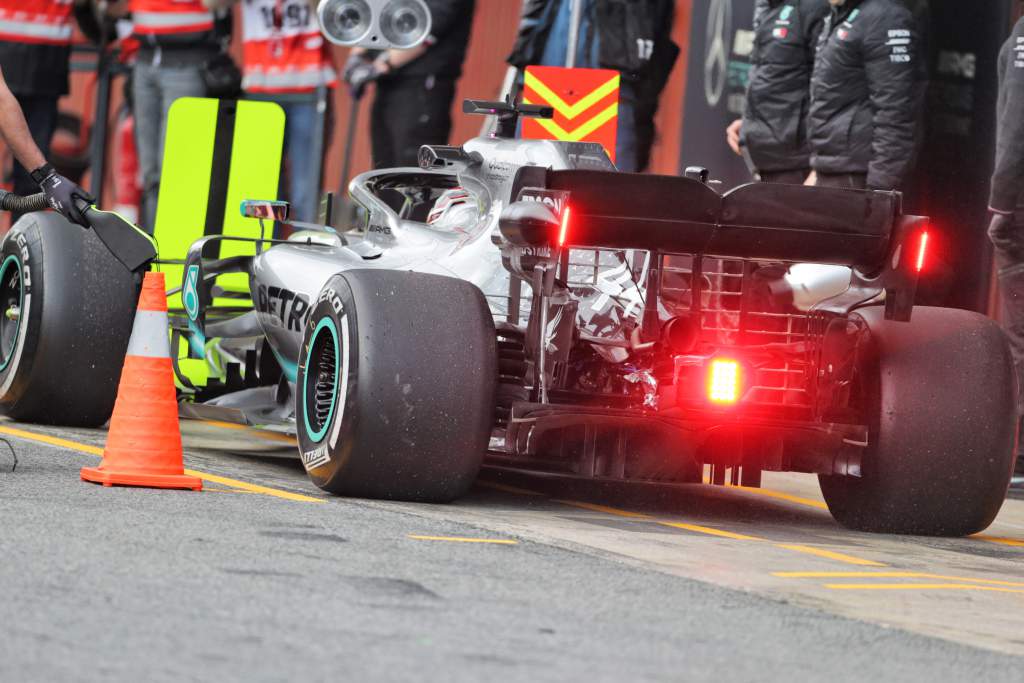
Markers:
(272, 211)
(529, 224)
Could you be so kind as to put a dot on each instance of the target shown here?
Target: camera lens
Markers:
(344, 22)
(405, 23)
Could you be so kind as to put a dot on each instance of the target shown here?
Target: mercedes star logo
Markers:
(716, 61)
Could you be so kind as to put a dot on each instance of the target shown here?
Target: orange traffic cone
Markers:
(144, 442)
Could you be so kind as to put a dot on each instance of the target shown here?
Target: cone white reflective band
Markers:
(35, 29)
(168, 21)
(309, 78)
(149, 335)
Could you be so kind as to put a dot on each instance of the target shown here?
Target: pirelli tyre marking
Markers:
(328, 361)
(23, 310)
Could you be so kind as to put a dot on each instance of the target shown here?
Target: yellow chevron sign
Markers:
(585, 101)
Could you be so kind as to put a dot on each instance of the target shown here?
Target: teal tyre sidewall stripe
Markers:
(6, 360)
(326, 323)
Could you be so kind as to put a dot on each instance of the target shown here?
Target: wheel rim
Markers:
(12, 299)
(320, 380)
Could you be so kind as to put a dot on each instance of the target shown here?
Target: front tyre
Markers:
(941, 405)
(67, 312)
(395, 394)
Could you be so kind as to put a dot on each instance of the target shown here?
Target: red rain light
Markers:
(724, 381)
(922, 251)
(563, 231)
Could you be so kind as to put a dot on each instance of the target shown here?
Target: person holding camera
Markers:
(415, 87)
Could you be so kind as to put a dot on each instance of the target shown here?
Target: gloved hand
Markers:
(62, 194)
(354, 61)
(359, 76)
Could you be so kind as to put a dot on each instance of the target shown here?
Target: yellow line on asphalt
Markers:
(254, 488)
(459, 539)
(891, 575)
(52, 441)
(918, 587)
(721, 533)
(205, 476)
(820, 505)
(508, 489)
(829, 554)
(711, 531)
(769, 493)
(603, 508)
(999, 539)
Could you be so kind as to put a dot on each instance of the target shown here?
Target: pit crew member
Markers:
(285, 59)
(415, 87)
(35, 46)
(772, 135)
(1006, 227)
(867, 95)
(60, 192)
(177, 39)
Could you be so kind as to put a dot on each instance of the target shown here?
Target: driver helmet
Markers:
(454, 211)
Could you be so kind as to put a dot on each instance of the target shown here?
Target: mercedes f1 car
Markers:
(522, 301)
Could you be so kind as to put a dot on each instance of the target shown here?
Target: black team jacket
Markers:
(778, 95)
(1008, 179)
(867, 92)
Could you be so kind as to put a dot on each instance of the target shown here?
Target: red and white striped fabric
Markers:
(36, 21)
(282, 49)
(167, 17)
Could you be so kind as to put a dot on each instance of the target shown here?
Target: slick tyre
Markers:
(67, 312)
(942, 427)
(395, 395)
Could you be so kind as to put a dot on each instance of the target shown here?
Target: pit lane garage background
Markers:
(951, 183)
(705, 93)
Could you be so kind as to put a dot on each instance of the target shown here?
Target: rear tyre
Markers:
(942, 427)
(396, 386)
(67, 313)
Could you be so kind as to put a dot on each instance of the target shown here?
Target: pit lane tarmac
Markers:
(777, 543)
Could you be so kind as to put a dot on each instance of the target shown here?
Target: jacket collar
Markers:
(839, 14)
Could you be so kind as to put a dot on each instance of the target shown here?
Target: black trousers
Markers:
(408, 113)
(41, 115)
(1008, 240)
(784, 177)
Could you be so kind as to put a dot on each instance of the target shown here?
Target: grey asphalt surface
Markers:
(130, 584)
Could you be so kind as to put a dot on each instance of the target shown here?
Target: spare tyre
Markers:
(66, 312)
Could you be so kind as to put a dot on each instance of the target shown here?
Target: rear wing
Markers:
(865, 230)
(756, 221)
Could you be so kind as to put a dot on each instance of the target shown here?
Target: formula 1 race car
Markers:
(522, 301)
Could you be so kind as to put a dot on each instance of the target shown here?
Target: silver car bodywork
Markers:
(287, 277)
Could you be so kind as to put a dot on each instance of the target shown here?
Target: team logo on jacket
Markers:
(781, 33)
(842, 34)
(787, 12)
